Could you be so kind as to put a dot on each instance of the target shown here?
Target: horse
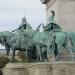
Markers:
(4, 37)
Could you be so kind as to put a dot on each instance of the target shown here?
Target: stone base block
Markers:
(43, 68)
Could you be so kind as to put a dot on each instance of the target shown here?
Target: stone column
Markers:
(65, 13)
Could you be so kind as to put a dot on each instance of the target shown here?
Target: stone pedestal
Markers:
(43, 68)
(15, 69)
(40, 69)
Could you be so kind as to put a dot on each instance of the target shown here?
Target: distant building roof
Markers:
(2, 49)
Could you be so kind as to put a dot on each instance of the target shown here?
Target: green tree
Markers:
(3, 61)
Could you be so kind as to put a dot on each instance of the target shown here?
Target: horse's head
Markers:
(5, 36)
(2, 40)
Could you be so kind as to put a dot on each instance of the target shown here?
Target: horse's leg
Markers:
(7, 49)
(13, 56)
(26, 51)
(48, 53)
(38, 53)
(44, 53)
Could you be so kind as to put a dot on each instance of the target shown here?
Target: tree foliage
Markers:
(3, 61)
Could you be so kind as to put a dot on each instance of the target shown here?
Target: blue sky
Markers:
(12, 11)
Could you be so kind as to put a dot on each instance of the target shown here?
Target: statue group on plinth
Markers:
(40, 46)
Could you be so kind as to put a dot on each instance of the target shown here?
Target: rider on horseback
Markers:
(23, 26)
